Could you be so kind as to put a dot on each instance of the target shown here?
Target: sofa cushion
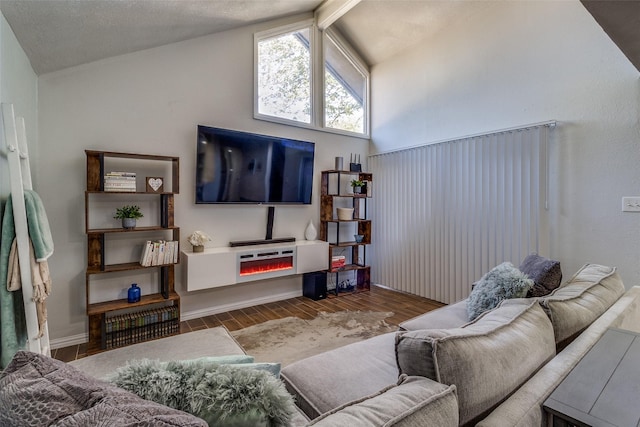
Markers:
(325, 381)
(486, 360)
(502, 282)
(37, 390)
(414, 401)
(575, 305)
(449, 316)
(545, 273)
(524, 407)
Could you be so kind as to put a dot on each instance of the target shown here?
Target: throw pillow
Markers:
(272, 368)
(502, 282)
(545, 273)
(239, 361)
(222, 395)
(221, 360)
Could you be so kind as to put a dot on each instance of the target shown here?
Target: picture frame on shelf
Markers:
(155, 184)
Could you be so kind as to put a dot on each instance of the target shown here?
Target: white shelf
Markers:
(216, 267)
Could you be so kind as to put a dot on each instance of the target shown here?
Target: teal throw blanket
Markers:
(37, 222)
(13, 329)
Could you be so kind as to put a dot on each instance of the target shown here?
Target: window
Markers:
(345, 88)
(284, 76)
(320, 85)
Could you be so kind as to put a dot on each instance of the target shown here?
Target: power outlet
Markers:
(631, 204)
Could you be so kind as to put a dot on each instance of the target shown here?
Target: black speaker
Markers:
(314, 285)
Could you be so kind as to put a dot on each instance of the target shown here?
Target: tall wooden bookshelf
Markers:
(333, 195)
(117, 322)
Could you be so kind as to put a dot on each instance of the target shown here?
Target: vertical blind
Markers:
(446, 213)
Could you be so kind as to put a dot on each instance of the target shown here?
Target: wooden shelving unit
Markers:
(332, 196)
(137, 313)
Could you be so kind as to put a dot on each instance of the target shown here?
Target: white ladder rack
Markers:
(20, 179)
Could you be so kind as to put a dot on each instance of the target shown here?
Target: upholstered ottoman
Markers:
(207, 342)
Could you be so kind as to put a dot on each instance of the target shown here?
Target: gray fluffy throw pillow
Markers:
(222, 395)
(502, 282)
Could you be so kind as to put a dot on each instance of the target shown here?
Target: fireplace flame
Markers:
(265, 266)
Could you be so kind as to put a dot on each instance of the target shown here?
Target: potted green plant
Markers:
(357, 185)
(128, 214)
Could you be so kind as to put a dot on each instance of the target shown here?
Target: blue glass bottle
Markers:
(134, 293)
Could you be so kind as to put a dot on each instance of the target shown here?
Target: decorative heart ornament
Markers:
(155, 183)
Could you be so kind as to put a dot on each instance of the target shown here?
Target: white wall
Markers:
(18, 86)
(520, 63)
(151, 102)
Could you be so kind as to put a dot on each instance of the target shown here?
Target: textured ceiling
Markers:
(379, 29)
(58, 34)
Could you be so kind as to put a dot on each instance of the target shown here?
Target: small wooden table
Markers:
(603, 389)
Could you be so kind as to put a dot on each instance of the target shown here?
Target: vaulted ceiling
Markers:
(620, 19)
(57, 34)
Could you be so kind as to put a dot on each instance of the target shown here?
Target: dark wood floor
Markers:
(404, 306)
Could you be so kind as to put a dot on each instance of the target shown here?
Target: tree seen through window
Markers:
(284, 82)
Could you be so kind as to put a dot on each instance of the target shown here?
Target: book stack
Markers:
(136, 327)
(159, 252)
(120, 181)
(338, 261)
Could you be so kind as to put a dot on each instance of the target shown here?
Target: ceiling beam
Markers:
(620, 19)
(332, 10)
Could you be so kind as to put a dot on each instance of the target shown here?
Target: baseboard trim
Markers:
(68, 341)
(190, 315)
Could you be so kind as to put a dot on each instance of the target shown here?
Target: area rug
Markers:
(290, 339)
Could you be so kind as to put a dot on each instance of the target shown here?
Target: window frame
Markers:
(316, 42)
(357, 63)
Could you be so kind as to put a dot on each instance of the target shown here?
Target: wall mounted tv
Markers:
(242, 167)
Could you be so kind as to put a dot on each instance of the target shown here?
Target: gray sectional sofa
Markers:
(442, 370)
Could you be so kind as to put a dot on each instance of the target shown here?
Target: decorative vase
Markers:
(198, 249)
(133, 295)
(357, 190)
(128, 222)
(310, 233)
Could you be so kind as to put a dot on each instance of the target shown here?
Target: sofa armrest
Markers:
(414, 401)
(524, 407)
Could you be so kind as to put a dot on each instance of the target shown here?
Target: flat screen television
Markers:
(241, 167)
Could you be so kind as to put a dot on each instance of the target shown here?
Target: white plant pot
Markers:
(345, 214)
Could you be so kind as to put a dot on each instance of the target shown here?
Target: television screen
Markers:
(241, 167)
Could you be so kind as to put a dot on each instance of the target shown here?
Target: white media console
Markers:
(225, 266)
